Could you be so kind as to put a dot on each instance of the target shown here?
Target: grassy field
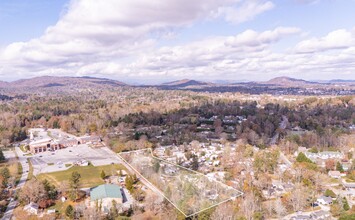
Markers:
(22, 147)
(30, 170)
(12, 165)
(61, 206)
(90, 175)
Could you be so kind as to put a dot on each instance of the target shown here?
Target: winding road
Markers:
(25, 168)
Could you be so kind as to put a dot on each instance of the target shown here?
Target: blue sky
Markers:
(22, 20)
(161, 40)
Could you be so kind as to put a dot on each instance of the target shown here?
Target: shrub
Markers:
(69, 211)
(303, 158)
(330, 193)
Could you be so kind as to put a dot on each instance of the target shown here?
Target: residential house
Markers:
(301, 217)
(334, 174)
(349, 185)
(325, 200)
(31, 208)
(321, 215)
(325, 155)
(350, 193)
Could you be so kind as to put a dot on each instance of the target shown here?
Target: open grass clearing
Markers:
(90, 175)
(23, 148)
(13, 166)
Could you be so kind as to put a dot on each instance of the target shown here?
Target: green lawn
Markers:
(22, 147)
(90, 175)
(30, 171)
(60, 207)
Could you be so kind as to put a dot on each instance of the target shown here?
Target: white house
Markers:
(31, 208)
(334, 174)
(325, 200)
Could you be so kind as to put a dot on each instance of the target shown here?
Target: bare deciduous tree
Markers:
(249, 205)
(33, 191)
(279, 208)
(298, 199)
(92, 214)
(225, 211)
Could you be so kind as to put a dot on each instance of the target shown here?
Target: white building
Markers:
(31, 208)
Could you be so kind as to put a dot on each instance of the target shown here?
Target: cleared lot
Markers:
(59, 160)
(90, 175)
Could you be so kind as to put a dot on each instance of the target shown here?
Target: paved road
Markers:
(25, 167)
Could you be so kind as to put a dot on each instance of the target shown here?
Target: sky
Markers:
(144, 42)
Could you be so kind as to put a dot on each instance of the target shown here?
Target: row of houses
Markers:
(317, 215)
(325, 155)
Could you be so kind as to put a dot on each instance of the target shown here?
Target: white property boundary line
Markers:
(151, 185)
(193, 171)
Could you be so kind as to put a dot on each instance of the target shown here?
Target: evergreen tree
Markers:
(156, 166)
(2, 157)
(194, 163)
(129, 183)
(103, 174)
(74, 184)
(69, 211)
(113, 211)
(346, 206)
(303, 158)
(339, 167)
(330, 193)
(5, 173)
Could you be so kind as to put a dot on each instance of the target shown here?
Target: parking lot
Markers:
(50, 161)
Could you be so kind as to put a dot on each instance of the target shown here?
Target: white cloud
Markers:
(253, 38)
(104, 31)
(307, 1)
(338, 39)
(116, 39)
(246, 11)
(247, 55)
(214, 56)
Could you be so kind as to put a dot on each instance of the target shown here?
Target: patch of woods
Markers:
(308, 124)
(176, 116)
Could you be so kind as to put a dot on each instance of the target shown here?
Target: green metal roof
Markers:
(105, 191)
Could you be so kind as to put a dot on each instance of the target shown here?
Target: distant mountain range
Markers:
(53, 81)
(341, 81)
(288, 81)
(282, 81)
(185, 83)
(3, 84)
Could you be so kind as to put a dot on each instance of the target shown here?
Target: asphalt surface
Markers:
(25, 167)
(47, 162)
